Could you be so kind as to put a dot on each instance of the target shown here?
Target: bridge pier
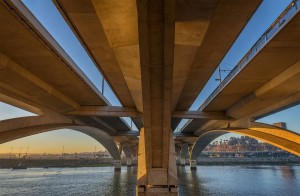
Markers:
(129, 161)
(182, 161)
(193, 164)
(117, 165)
(156, 180)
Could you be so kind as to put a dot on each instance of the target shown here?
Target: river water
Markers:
(206, 180)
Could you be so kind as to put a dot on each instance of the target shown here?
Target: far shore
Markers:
(72, 163)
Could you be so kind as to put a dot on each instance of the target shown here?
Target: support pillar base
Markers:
(193, 164)
(129, 162)
(117, 165)
(153, 190)
(182, 162)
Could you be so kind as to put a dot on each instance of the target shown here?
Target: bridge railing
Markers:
(275, 27)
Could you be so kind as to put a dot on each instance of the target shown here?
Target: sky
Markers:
(52, 142)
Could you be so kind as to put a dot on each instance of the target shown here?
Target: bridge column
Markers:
(117, 164)
(157, 171)
(184, 154)
(155, 180)
(193, 164)
(129, 161)
(182, 161)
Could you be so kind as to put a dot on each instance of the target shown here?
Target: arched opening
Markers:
(282, 140)
(41, 136)
(51, 142)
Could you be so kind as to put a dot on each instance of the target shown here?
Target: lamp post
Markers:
(219, 71)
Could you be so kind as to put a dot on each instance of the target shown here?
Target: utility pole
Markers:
(26, 153)
(20, 152)
(10, 152)
(219, 71)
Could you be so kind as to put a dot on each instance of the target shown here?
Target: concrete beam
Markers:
(200, 115)
(8, 65)
(20, 104)
(218, 19)
(132, 112)
(115, 111)
(281, 91)
(33, 48)
(32, 121)
(102, 17)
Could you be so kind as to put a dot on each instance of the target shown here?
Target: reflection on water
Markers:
(68, 181)
(240, 180)
(287, 172)
(206, 180)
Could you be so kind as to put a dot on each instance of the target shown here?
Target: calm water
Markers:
(207, 180)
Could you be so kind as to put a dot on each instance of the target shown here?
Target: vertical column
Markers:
(117, 165)
(193, 164)
(184, 154)
(157, 171)
(129, 161)
(182, 161)
(156, 181)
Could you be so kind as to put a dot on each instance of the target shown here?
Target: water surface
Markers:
(206, 180)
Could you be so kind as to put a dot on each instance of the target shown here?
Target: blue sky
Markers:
(48, 15)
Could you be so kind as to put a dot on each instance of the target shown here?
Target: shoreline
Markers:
(73, 163)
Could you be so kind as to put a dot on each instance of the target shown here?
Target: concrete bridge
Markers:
(156, 55)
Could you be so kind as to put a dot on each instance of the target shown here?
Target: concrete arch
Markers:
(278, 137)
(21, 127)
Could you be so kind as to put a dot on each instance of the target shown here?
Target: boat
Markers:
(20, 166)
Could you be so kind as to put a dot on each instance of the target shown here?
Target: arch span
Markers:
(278, 137)
(21, 127)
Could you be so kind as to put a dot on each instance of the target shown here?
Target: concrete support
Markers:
(182, 161)
(193, 164)
(117, 165)
(129, 162)
(156, 181)
(184, 154)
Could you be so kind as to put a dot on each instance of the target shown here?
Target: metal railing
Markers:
(276, 26)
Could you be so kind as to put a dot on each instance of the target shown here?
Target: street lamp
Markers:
(219, 71)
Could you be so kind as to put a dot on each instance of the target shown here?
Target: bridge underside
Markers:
(156, 55)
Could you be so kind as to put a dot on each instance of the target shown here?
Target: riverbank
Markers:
(35, 163)
(46, 163)
(250, 161)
